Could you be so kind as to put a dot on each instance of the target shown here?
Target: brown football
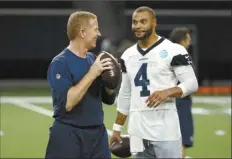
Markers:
(111, 78)
(121, 150)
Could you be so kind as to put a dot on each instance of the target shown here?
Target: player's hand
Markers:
(115, 137)
(156, 98)
(100, 65)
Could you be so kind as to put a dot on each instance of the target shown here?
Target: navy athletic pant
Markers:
(67, 141)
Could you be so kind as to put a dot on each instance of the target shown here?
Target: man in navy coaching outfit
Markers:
(77, 91)
(182, 36)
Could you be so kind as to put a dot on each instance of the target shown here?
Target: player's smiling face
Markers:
(142, 25)
(92, 33)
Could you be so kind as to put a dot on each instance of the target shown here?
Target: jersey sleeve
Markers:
(180, 60)
(123, 66)
(124, 96)
(180, 57)
(182, 66)
(59, 80)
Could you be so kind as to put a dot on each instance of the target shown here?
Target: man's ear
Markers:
(82, 33)
(154, 23)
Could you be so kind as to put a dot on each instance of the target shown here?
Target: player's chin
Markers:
(94, 45)
(140, 37)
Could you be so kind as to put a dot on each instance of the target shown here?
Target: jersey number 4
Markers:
(141, 80)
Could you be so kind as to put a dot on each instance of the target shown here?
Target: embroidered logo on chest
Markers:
(163, 53)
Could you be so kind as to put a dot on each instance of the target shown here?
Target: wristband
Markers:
(117, 127)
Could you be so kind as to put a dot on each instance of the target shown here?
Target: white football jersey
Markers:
(153, 69)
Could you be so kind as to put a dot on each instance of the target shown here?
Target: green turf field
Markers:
(24, 124)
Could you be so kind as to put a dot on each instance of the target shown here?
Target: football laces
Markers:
(112, 73)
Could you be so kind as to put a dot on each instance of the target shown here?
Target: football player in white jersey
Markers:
(151, 69)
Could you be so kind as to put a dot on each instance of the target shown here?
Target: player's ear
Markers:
(82, 33)
(154, 23)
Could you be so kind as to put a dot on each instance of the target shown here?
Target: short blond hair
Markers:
(76, 21)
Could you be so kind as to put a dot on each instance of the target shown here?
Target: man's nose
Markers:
(99, 33)
(138, 26)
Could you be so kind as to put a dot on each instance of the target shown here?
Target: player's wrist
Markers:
(92, 74)
(168, 93)
(117, 127)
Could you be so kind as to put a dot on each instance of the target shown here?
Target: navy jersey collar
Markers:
(151, 47)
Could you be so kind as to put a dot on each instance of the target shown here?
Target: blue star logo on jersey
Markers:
(163, 53)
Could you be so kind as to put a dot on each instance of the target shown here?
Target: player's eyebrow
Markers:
(143, 19)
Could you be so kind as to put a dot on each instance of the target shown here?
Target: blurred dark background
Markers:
(32, 33)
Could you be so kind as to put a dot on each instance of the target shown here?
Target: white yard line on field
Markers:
(26, 101)
(36, 99)
(32, 107)
(224, 100)
(35, 108)
(1, 133)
